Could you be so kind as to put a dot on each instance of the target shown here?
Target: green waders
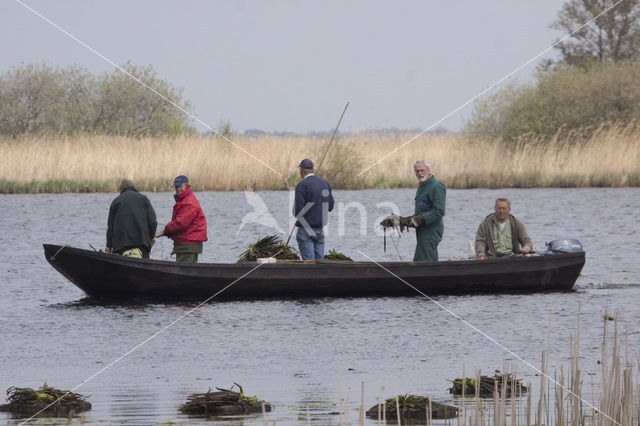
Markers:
(427, 240)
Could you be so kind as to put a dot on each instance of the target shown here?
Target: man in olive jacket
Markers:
(131, 224)
(501, 235)
(429, 211)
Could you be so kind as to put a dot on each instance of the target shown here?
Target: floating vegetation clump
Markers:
(487, 385)
(223, 402)
(412, 407)
(334, 255)
(46, 401)
(270, 246)
(397, 223)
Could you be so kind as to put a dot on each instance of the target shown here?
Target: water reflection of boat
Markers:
(102, 275)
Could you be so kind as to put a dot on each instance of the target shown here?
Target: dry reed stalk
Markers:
(379, 398)
(461, 404)
(340, 400)
(384, 414)
(361, 414)
(575, 399)
(610, 398)
(398, 407)
(561, 417)
(264, 414)
(515, 397)
(626, 417)
(346, 410)
(496, 405)
(528, 423)
(543, 380)
(503, 397)
(638, 387)
(478, 410)
(610, 157)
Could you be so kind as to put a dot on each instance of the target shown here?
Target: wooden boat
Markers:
(102, 275)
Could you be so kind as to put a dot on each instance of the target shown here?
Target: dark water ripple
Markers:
(295, 354)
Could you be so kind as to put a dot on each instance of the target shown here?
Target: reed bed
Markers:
(610, 157)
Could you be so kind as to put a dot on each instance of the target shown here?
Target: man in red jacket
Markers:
(188, 226)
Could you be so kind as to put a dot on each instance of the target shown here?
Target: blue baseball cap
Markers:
(306, 164)
(180, 180)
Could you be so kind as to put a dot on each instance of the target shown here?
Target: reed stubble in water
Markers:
(561, 401)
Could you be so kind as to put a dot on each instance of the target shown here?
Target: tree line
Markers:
(594, 83)
(39, 99)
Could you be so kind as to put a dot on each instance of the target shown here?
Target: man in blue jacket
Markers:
(313, 202)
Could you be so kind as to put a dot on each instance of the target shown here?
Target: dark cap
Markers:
(180, 180)
(306, 164)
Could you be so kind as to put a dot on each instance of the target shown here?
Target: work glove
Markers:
(405, 221)
(417, 220)
(412, 221)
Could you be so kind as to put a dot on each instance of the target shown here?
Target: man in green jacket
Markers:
(131, 224)
(501, 235)
(429, 211)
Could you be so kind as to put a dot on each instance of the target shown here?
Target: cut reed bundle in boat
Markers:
(269, 246)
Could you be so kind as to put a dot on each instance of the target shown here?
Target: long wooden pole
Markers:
(332, 137)
(322, 159)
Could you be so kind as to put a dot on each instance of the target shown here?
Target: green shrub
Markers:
(562, 100)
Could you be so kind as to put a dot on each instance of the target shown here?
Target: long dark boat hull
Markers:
(102, 275)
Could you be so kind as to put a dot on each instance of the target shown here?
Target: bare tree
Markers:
(39, 99)
(125, 107)
(612, 37)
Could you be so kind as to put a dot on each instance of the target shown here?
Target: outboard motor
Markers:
(564, 246)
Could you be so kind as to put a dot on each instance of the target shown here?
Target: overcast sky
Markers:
(292, 65)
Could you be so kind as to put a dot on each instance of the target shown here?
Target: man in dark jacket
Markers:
(501, 235)
(188, 226)
(131, 223)
(313, 202)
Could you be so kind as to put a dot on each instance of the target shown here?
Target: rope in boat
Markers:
(396, 244)
(384, 229)
(56, 253)
(159, 243)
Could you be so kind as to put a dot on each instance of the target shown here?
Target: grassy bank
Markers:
(97, 163)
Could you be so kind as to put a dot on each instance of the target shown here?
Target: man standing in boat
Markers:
(131, 223)
(188, 226)
(313, 202)
(429, 211)
(501, 235)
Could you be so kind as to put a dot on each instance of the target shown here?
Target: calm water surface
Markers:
(298, 355)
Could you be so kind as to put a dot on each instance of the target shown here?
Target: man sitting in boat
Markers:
(188, 226)
(501, 235)
(131, 223)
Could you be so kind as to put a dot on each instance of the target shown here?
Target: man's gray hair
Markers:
(126, 183)
(424, 163)
(503, 200)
